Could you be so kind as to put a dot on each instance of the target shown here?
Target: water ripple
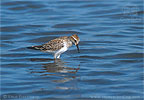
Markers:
(110, 62)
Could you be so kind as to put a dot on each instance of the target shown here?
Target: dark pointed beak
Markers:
(78, 48)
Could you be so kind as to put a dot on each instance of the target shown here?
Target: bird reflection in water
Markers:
(57, 68)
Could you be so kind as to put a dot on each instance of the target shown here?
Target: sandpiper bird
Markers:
(59, 45)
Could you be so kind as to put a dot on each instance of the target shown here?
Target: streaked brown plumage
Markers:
(58, 45)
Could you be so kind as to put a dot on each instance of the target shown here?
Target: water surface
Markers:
(110, 62)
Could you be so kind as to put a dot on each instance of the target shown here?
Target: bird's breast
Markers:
(68, 43)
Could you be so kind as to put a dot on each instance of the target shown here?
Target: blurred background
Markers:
(110, 62)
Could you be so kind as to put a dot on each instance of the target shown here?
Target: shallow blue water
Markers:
(110, 62)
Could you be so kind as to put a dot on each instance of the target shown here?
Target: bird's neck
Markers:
(69, 42)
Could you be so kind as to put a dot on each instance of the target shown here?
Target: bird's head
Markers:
(75, 40)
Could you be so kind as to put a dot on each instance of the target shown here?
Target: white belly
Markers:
(62, 50)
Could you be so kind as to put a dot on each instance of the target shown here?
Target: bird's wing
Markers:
(53, 45)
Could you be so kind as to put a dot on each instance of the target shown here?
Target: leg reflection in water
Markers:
(57, 68)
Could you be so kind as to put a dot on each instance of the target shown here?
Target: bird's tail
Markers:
(39, 47)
